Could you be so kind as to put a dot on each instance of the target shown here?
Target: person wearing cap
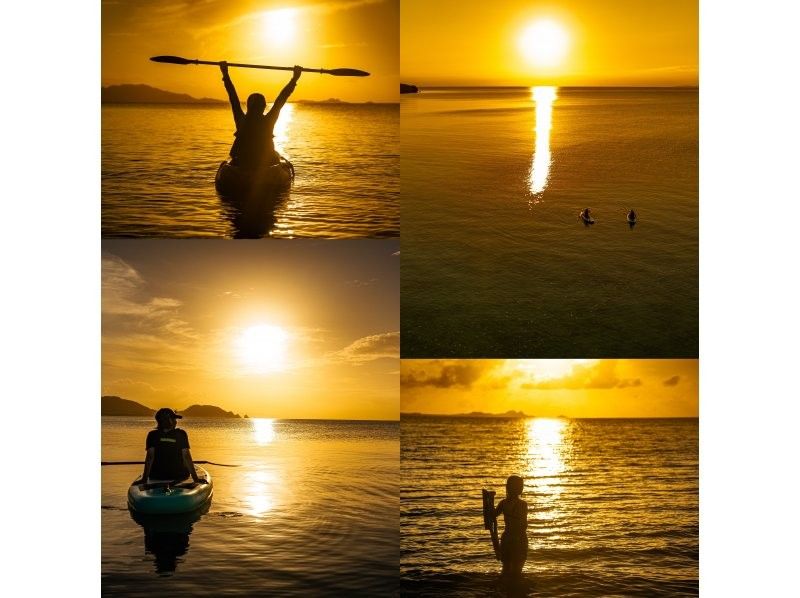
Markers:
(168, 456)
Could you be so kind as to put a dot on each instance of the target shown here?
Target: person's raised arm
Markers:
(286, 91)
(236, 105)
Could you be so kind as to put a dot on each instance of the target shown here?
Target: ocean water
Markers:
(159, 161)
(495, 261)
(312, 510)
(612, 505)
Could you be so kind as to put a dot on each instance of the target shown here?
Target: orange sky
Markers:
(552, 387)
(361, 34)
(613, 42)
(179, 319)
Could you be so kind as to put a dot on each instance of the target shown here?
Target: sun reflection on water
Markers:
(543, 98)
(263, 430)
(548, 448)
(260, 492)
(281, 130)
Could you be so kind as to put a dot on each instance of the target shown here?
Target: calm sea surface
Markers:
(612, 505)
(159, 161)
(312, 510)
(495, 262)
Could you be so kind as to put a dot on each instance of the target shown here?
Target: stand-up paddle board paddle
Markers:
(490, 521)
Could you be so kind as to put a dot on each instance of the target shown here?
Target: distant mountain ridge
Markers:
(144, 94)
(477, 414)
(117, 406)
(112, 405)
(208, 411)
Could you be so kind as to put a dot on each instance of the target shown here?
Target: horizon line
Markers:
(330, 419)
(478, 414)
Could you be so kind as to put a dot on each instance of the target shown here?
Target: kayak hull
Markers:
(236, 182)
(158, 498)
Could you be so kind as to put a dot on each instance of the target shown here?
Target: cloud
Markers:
(444, 374)
(600, 375)
(183, 10)
(672, 381)
(140, 329)
(360, 283)
(126, 305)
(370, 348)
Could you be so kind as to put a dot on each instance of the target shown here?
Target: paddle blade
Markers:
(346, 72)
(171, 59)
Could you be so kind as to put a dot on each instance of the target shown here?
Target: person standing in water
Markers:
(168, 456)
(253, 145)
(514, 541)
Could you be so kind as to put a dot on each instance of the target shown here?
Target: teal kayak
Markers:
(236, 182)
(162, 497)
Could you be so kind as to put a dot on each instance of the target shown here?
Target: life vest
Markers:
(253, 145)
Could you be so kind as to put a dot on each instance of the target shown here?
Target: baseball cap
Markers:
(165, 412)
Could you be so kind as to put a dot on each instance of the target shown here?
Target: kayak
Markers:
(166, 497)
(234, 181)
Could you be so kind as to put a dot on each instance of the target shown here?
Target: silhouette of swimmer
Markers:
(586, 215)
(253, 145)
(514, 541)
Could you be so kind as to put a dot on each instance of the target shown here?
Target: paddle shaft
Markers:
(142, 463)
(257, 66)
(336, 72)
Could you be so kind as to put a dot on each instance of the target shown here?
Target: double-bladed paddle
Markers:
(335, 72)
(142, 463)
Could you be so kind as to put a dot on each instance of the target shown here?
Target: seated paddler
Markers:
(168, 457)
(254, 144)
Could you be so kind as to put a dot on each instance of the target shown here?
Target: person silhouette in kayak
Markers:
(168, 456)
(514, 541)
(253, 145)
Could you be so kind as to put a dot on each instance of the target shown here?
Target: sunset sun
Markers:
(263, 348)
(544, 43)
(280, 26)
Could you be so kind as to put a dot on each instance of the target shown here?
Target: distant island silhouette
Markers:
(406, 88)
(144, 94)
(477, 414)
(118, 407)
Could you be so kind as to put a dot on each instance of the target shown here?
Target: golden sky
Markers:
(552, 387)
(585, 42)
(276, 329)
(361, 34)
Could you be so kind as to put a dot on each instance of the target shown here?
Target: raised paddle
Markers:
(335, 72)
(142, 463)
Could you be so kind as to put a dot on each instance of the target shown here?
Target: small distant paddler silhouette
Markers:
(514, 542)
(168, 456)
(254, 145)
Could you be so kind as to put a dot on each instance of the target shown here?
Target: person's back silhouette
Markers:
(253, 145)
